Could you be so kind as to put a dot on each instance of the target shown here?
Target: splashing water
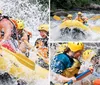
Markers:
(70, 36)
(34, 14)
(85, 65)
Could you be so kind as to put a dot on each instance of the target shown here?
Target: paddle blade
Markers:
(22, 59)
(56, 17)
(73, 23)
(95, 17)
(26, 61)
(96, 29)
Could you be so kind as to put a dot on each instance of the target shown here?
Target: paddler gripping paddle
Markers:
(75, 23)
(70, 23)
(79, 76)
(55, 17)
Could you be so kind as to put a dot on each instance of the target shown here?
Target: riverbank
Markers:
(75, 4)
(63, 12)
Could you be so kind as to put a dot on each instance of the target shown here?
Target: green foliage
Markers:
(70, 4)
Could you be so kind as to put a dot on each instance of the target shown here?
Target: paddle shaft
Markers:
(79, 76)
(29, 45)
(23, 60)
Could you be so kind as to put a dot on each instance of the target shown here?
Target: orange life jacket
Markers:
(14, 22)
(43, 52)
(80, 19)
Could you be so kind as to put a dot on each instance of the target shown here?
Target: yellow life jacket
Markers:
(43, 52)
(80, 19)
(69, 72)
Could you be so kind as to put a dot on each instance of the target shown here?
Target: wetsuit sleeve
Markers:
(57, 66)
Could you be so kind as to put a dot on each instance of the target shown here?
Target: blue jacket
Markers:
(61, 62)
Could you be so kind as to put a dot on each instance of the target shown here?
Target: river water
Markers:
(84, 65)
(89, 35)
(34, 14)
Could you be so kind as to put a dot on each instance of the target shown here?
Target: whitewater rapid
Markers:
(89, 35)
(34, 14)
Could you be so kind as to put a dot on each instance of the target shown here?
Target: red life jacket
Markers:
(8, 47)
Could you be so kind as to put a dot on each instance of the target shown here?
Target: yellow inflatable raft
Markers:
(20, 66)
(73, 23)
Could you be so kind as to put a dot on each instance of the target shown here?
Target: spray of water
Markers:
(70, 36)
(84, 66)
(34, 14)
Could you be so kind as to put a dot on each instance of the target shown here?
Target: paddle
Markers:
(22, 59)
(30, 46)
(77, 24)
(79, 76)
(95, 17)
(56, 17)
(70, 23)
(96, 29)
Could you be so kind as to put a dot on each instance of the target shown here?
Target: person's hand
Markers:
(23, 38)
(73, 79)
(91, 69)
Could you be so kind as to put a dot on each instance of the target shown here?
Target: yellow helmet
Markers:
(80, 13)
(69, 15)
(20, 24)
(61, 48)
(44, 27)
(1, 12)
(88, 54)
(76, 46)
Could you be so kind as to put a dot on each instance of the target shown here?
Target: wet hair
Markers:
(67, 50)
